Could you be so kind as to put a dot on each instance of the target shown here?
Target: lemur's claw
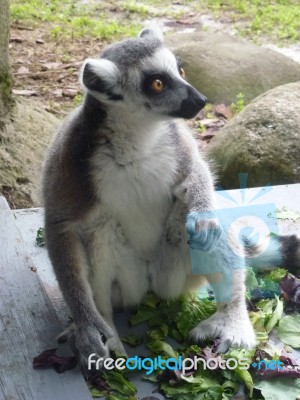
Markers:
(204, 230)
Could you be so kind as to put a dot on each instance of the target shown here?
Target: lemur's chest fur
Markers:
(134, 183)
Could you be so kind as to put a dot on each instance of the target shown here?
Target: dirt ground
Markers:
(47, 69)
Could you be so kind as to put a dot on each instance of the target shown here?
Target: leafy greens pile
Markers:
(269, 295)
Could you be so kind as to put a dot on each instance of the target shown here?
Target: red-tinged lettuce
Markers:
(48, 359)
(269, 368)
(290, 291)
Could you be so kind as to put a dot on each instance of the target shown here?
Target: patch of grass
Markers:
(77, 100)
(279, 18)
(99, 28)
(38, 10)
(137, 8)
(151, 8)
(239, 105)
(68, 19)
(208, 111)
(199, 127)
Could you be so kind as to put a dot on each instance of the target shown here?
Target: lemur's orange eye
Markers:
(157, 85)
(182, 73)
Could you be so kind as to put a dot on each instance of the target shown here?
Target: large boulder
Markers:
(263, 140)
(23, 142)
(221, 66)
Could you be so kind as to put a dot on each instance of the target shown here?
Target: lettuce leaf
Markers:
(279, 389)
(289, 330)
(118, 381)
(132, 340)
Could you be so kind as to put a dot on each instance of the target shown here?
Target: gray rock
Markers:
(221, 66)
(263, 140)
(23, 143)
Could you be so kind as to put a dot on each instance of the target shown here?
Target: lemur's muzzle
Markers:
(191, 105)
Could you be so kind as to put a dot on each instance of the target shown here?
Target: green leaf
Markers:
(132, 340)
(276, 275)
(151, 378)
(192, 379)
(158, 333)
(97, 393)
(143, 314)
(230, 388)
(162, 348)
(242, 374)
(289, 331)
(40, 237)
(187, 391)
(276, 316)
(251, 281)
(118, 396)
(265, 319)
(186, 349)
(266, 306)
(175, 334)
(150, 300)
(193, 311)
(117, 381)
(261, 336)
(279, 389)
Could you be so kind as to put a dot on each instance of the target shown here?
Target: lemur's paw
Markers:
(115, 344)
(89, 340)
(203, 229)
(232, 331)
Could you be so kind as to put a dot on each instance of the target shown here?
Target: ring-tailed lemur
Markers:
(120, 180)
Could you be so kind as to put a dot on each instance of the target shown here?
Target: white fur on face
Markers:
(163, 60)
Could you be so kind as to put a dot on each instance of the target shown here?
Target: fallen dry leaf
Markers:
(223, 111)
(70, 92)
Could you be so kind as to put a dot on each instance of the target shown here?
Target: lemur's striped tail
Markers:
(275, 251)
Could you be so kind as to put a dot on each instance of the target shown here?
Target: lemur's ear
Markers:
(101, 76)
(152, 33)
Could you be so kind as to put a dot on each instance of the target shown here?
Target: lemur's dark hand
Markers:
(203, 229)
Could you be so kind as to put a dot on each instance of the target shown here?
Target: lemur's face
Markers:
(142, 75)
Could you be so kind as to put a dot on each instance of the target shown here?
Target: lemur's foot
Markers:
(115, 344)
(89, 340)
(96, 337)
(203, 229)
(232, 330)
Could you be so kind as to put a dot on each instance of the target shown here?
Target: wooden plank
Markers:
(29, 221)
(28, 326)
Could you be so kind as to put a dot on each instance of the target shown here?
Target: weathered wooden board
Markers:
(28, 326)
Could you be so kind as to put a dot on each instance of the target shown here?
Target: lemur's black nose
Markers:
(198, 98)
(192, 104)
(202, 100)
